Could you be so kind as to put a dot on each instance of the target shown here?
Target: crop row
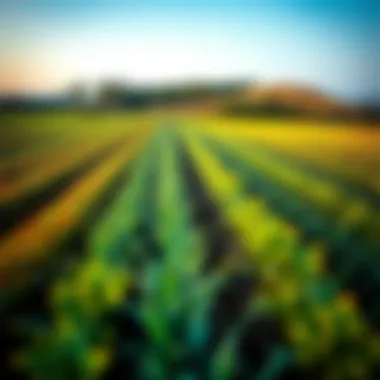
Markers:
(317, 316)
(142, 297)
(350, 256)
(76, 339)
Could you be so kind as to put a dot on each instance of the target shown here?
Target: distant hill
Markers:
(295, 96)
(287, 98)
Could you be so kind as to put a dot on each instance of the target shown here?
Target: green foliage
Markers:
(76, 344)
(148, 243)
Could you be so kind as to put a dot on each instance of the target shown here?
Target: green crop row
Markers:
(351, 258)
(145, 258)
(176, 297)
(76, 344)
(348, 211)
(323, 325)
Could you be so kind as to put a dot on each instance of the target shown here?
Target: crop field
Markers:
(152, 246)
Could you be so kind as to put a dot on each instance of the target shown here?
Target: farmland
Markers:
(173, 246)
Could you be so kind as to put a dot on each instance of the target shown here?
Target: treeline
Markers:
(30, 103)
(117, 95)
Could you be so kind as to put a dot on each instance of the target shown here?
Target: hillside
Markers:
(289, 98)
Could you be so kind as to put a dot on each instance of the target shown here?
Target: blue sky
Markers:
(333, 44)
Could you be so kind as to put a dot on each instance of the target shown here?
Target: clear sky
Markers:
(334, 44)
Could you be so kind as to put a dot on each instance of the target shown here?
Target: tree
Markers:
(77, 94)
(111, 94)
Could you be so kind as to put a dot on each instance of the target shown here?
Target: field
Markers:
(153, 246)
